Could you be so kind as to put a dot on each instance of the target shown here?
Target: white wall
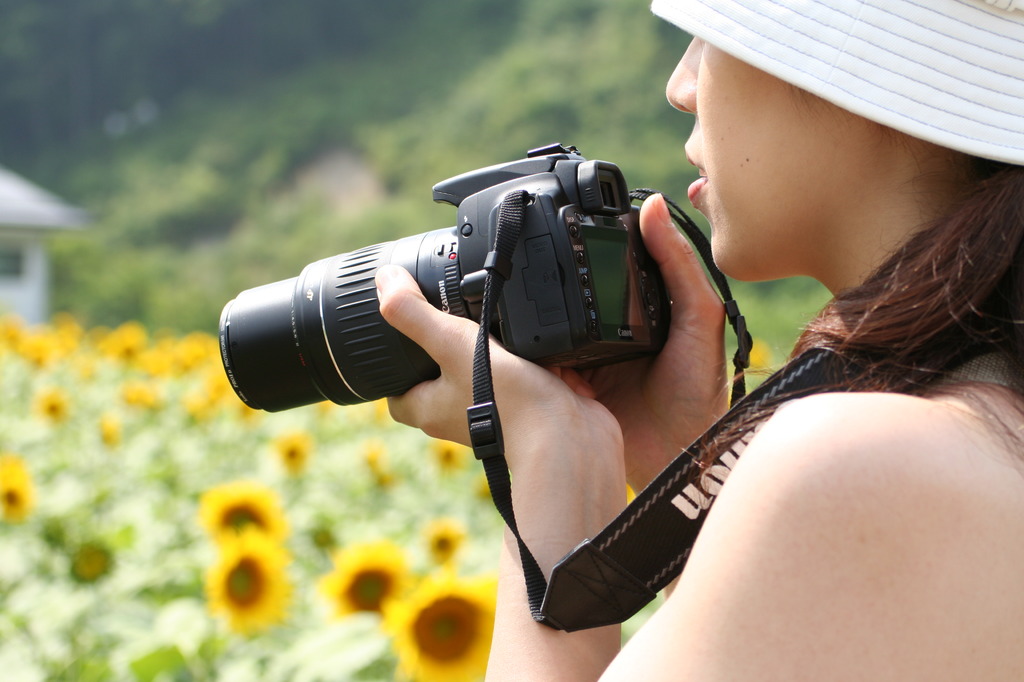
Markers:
(27, 295)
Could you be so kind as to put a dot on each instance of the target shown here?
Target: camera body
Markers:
(582, 290)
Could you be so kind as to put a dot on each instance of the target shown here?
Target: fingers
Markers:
(402, 304)
(688, 286)
(575, 381)
(447, 339)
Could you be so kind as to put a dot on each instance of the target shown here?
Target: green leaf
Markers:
(166, 659)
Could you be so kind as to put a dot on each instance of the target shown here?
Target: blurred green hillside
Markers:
(222, 144)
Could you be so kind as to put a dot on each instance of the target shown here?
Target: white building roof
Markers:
(23, 204)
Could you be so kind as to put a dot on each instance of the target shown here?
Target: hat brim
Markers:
(952, 76)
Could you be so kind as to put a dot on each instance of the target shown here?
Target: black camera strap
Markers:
(741, 358)
(610, 577)
(484, 425)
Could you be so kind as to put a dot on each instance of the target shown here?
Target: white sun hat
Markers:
(947, 71)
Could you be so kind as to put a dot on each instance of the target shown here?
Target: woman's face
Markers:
(792, 185)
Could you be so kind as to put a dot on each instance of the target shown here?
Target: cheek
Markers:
(747, 249)
(757, 223)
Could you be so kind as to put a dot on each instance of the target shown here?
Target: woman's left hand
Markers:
(664, 402)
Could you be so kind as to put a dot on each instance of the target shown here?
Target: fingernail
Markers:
(385, 278)
(662, 207)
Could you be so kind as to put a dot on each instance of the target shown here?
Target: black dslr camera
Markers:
(582, 290)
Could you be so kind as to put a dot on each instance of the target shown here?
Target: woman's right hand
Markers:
(557, 436)
(524, 391)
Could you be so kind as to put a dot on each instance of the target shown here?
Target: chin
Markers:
(753, 260)
(743, 267)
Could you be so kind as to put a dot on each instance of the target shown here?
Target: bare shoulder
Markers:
(883, 436)
(860, 536)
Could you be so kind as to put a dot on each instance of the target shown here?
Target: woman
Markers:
(872, 534)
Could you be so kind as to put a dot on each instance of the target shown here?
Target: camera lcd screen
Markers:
(614, 293)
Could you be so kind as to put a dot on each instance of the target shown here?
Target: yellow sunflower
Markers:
(126, 343)
(443, 630)
(449, 456)
(249, 583)
(40, 349)
(365, 577)
(53, 404)
(381, 411)
(322, 537)
(141, 394)
(444, 538)
(194, 350)
(17, 494)
(110, 429)
(157, 361)
(231, 508)
(375, 457)
(199, 405)
(760, 355)
(481, 487)
(90, 562)
(325, 409)
(216, 386)
(293, 449)
(12, 330)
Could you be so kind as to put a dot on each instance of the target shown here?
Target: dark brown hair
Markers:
(952, 291)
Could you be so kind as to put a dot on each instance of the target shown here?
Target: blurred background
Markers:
(202, 147)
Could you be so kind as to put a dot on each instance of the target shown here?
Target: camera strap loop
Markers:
(744, 342)
(484, 424)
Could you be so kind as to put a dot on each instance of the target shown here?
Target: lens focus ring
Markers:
(373, 358)
(453, 290)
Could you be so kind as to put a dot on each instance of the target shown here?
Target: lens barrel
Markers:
(321, 335)
(258, 349)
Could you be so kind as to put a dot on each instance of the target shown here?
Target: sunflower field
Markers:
(154, 529)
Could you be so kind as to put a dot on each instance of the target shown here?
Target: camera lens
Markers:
(259, 352)
(321, 335)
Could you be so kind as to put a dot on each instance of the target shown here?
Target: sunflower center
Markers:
(323, 538)
(91, 563)
(245, 583)
(12, 499)
(368, 589)
(240, 517)
(446, 629)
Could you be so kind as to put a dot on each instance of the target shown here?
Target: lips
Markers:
(694, 190)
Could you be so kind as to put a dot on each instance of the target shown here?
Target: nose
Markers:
(681, 89)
